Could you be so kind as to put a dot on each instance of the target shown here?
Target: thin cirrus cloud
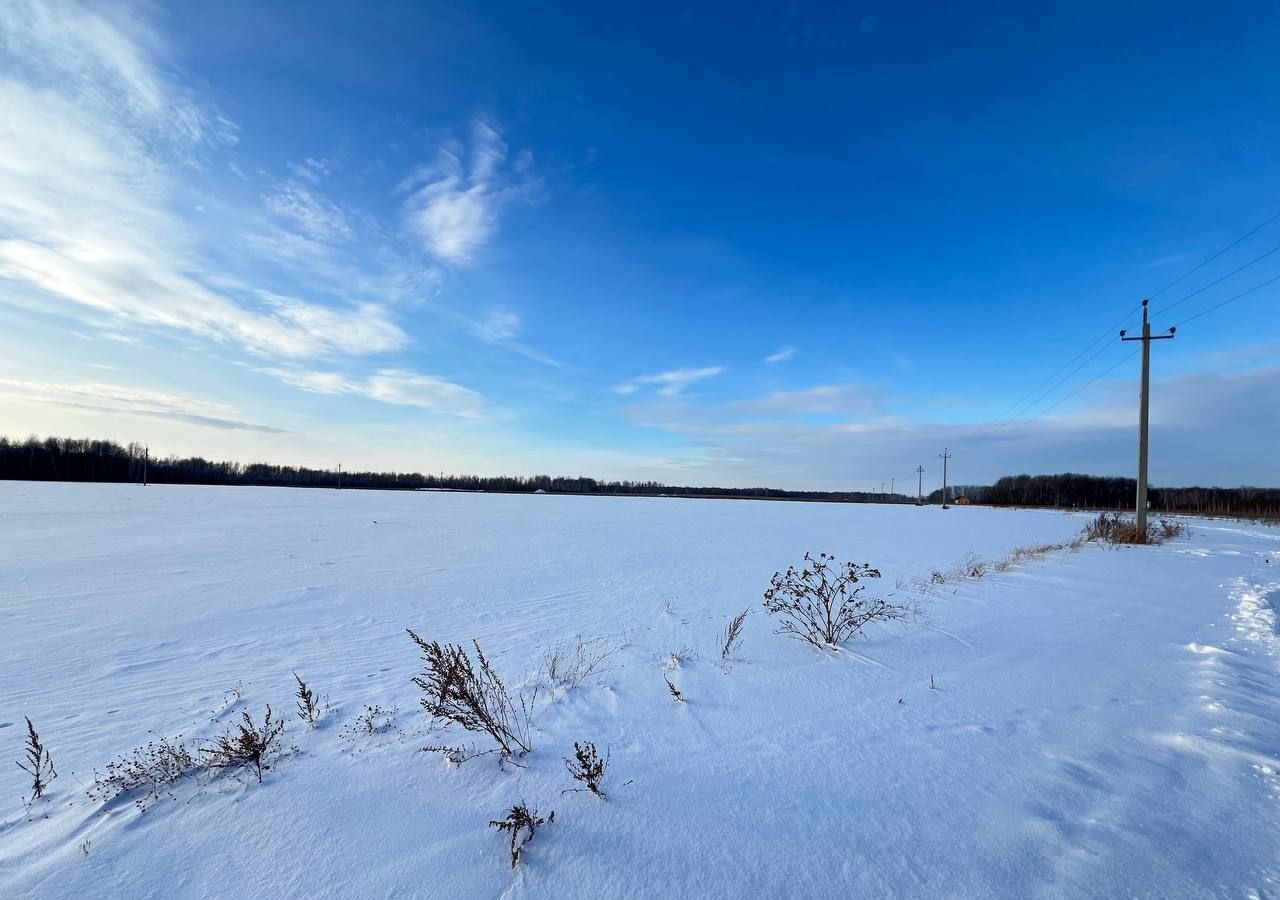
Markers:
(501, 327)
(833, 399)
(782, 355)
(100, 146)
(395, 386)
(670, 384)
(120, 400)
(453, 206)
(317, 217)
(85, 193)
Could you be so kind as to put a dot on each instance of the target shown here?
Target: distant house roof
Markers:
(539, 491)
(962, 501)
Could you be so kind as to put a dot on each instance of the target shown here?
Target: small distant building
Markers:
(962, 501)
(539, 491)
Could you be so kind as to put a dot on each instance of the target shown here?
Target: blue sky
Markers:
(801, 245)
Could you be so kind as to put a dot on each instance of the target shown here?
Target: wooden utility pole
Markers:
(919, 485)
(1144, 401)
(944, 456)
(146, 457)
(891, 483)
(339, 476)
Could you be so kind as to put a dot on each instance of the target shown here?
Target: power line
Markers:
(1113, 366)
(1230, 246)
(1010, 416)
(1004, 425)
(1205, 312)
(1218, 281)
(1018, 405)
(1103, 374)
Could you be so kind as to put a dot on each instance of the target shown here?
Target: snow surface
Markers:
(1104, 722)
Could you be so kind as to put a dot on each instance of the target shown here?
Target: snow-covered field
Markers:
(1104, 723)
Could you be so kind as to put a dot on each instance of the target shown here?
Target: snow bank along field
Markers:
(1102, 722)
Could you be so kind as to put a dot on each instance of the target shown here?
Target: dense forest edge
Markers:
(83, 459)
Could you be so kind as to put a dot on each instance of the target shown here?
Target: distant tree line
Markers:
(74, 459)
(1098, 492)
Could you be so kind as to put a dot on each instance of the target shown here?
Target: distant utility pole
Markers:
(1144, 400)
(920, 485)
(944, 456)
(146, 457)
(339, 476)
(891, 481)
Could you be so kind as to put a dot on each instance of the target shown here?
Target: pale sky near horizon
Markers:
(802, 245)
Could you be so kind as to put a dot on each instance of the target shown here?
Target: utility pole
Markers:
(919, 485)
(891, 481)
(1144, 402)
(944, 456)
(339, 476)
(146, 457)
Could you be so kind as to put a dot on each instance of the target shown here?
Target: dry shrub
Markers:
(245, 745)
(371, 720)
(151, 769)
(677, 658)
(1022, 554)
(37, 763)
(822, 603)
(1114, 528)
(731, 637)
(567, 664)
(676, 694)
(521, 823)
(310, 708)
(973, 567)
(471, 694)
(587, 767)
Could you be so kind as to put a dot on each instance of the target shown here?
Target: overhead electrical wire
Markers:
(1244, 237)
(1217, 306)
(1217, 281)
(1103, 374)
(1009, 418)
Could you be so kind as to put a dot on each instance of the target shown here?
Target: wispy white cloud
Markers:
(838, 399)
(670, 384)
(453, 206)
(87, 142)
(782, 355)
(121, 400)
(395, 386)
(312, 170)
(110, 59)
(317, 217)
(499, 325)
(1093, 434)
